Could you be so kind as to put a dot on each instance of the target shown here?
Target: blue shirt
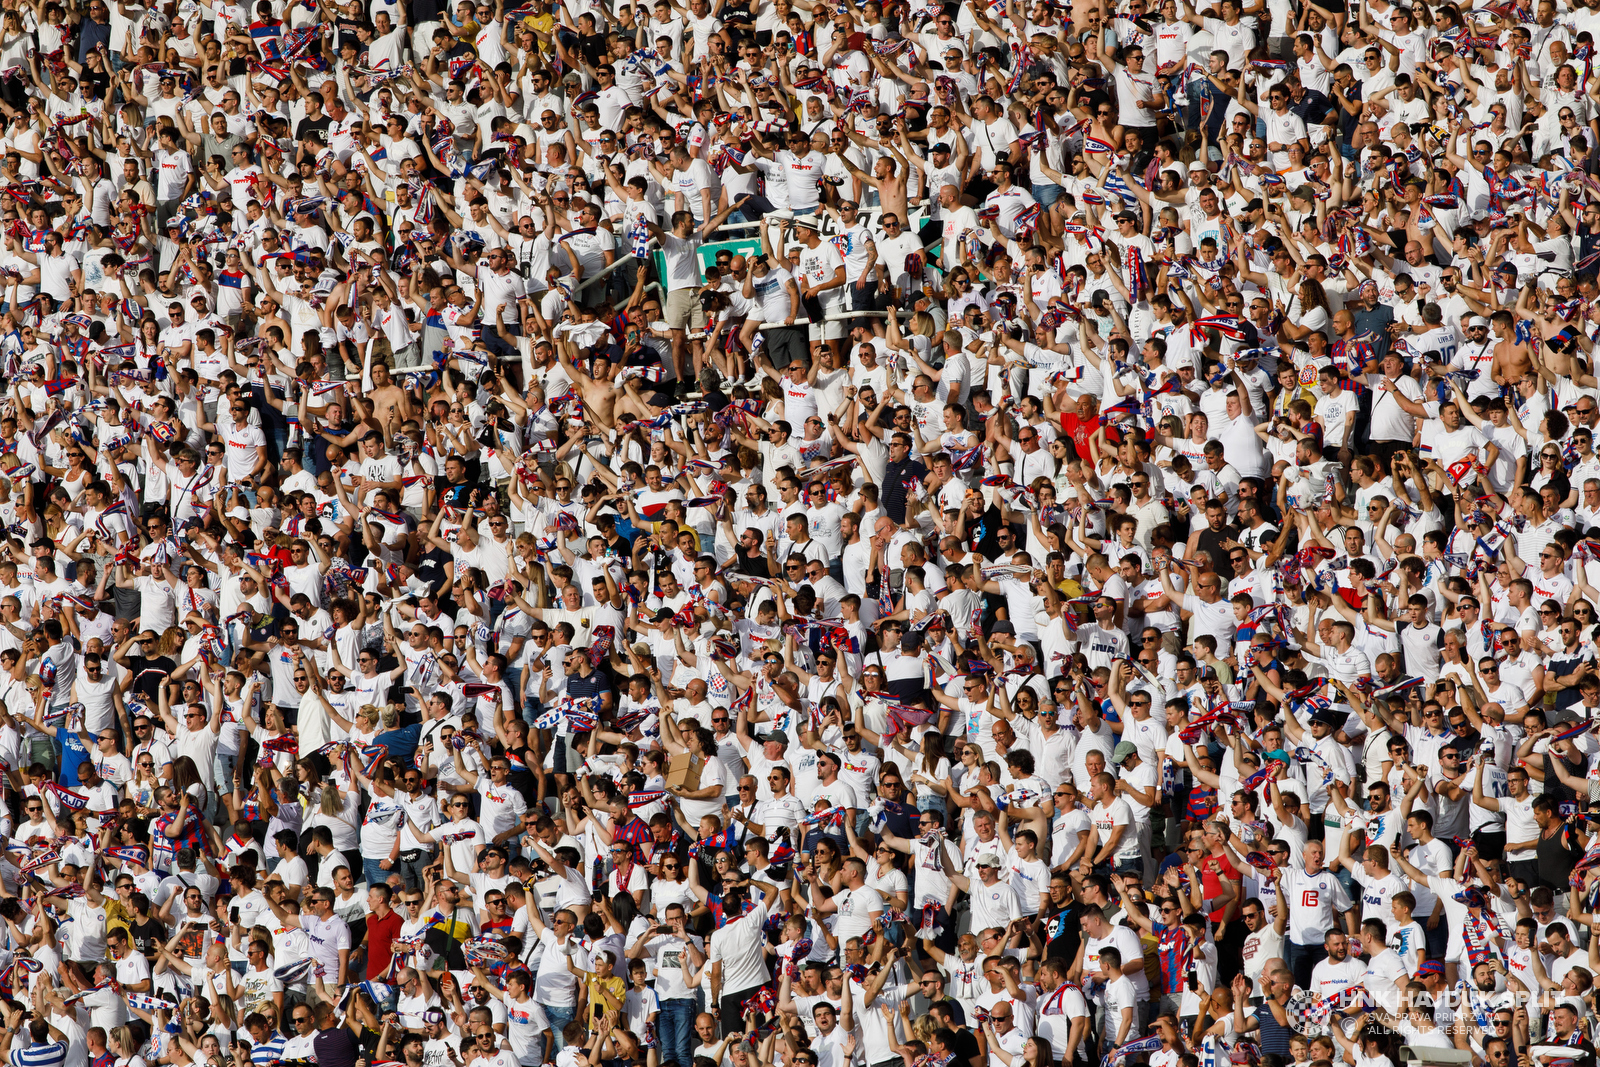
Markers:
(268, 1051)
(53, 1054)
(401, 743)
(73, 753)
(91, 33)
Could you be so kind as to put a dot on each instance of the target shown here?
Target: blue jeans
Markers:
(1302, 959)
(676, 1026)
(374, 874)
(559, 1018)
(1046, 195)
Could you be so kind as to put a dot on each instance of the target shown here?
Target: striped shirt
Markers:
(53, 1054)
(267, 1051)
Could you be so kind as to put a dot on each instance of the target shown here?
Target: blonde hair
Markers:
(330, 803)
(390, 716)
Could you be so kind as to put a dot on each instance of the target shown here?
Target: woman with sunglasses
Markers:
(1583, 613)
(75, 477)
(1551, 472)
(460, 833)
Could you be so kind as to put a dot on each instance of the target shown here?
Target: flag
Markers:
(1399, 689)
(296, 972)
(1581, 728)
(1132, 1048)
(67, 797)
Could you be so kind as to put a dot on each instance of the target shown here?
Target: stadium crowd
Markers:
(764, 533)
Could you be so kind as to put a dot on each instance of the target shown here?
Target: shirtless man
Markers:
(388, 399)
(1511, 358)
(889, 174)
(599, 394)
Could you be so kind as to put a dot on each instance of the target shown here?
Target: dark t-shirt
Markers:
(753, 563)
(1065, 933)
(981, 534)
(430, 567)
(1375, 322)
(522, 779)
(453, 495)
(966, 1046)
(401, 743)
(594, 685)
(150, 684)
(148, 936)
(1211, 542)
(336, 1047)
(593, 47)
(306, 125)
(319, 445)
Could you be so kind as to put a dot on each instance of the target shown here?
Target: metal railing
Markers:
(725, 231)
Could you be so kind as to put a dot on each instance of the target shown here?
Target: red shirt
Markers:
(1080, 430)
(380, 939)
(1213, 871)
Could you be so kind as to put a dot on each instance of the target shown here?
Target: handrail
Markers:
(426, 362)
(615, 266)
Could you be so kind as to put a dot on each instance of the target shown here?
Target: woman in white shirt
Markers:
(883, 871)
(120, 1043)
(923, 768)
(671, 886)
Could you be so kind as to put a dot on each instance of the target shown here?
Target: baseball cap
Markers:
(1123, 750)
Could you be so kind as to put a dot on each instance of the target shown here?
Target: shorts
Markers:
(826, 331)
(682, 310)
(1047, 194)
(785, 345)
